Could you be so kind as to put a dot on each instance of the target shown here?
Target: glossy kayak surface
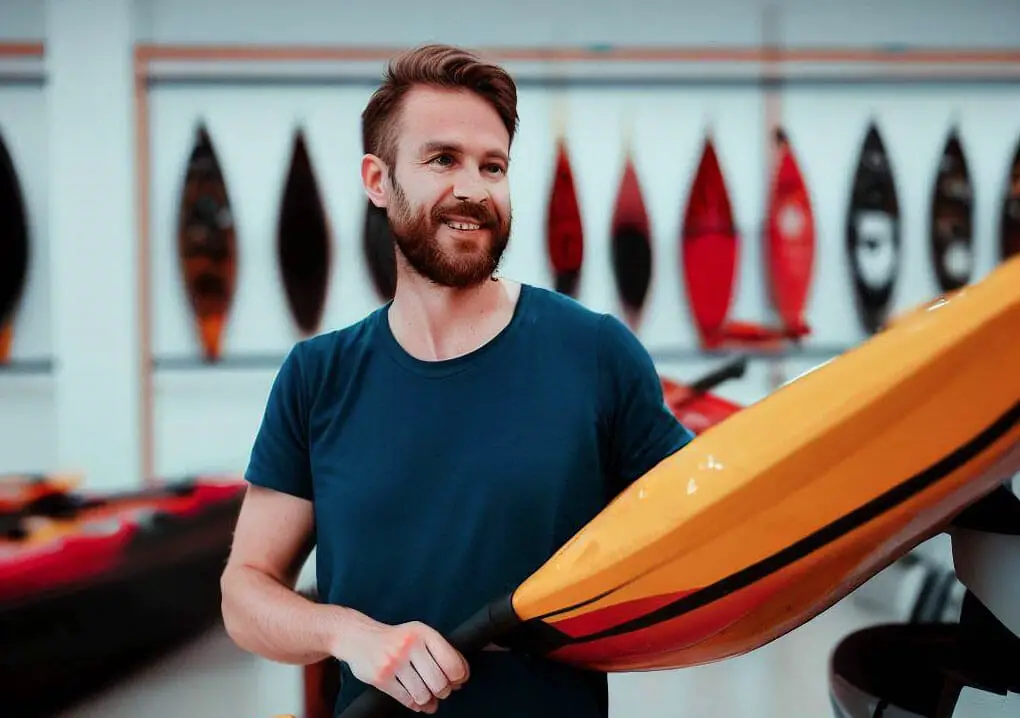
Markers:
(786, 506)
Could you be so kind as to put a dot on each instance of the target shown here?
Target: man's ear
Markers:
(373, 177)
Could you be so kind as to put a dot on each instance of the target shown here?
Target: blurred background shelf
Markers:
(186, 362)
(40, 366)
(271, 361)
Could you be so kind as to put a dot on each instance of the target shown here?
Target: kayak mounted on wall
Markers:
(303, 241)
(710, 250)
(207, 245)
(564, 226)
(873, 232)
(379, 249)
(631, 242)
(790, 240)
(14, 249)
(952, 218)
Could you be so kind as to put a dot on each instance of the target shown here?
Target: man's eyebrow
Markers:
(454, 148)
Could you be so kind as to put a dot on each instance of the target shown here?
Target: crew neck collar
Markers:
(447, 367)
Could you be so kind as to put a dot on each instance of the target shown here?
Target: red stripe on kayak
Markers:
(672, 634)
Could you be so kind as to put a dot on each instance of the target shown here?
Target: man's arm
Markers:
(641, 429)
(274, 536)
(261, 610)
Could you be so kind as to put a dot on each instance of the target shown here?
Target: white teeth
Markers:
(463, 225)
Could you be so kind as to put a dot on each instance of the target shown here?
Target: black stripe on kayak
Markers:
(551, 640)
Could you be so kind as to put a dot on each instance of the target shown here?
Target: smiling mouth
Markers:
(462, 226)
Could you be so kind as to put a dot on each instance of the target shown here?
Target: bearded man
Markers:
(442, 448)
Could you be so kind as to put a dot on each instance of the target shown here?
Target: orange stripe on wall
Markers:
(146, 52)
(22, 49)
(304, 53)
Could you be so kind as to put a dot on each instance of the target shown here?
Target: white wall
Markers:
(804, 23)
(251, 126)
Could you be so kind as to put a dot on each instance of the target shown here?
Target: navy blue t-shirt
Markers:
(440, 486)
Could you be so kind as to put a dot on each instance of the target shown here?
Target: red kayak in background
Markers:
(21, 492)
(86, 538)
(790, 243)
(93, 583)
(697, 411)
(631, 238)
(694, 405)
(565, 233)
(710, 249)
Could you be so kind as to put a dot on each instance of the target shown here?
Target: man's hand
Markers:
(411, 662)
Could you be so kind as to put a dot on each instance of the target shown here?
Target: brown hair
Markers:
(439, 66)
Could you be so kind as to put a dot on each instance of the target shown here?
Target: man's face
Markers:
(449, 209)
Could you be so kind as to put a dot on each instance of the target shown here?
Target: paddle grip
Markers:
(732, 370)
(477, 632)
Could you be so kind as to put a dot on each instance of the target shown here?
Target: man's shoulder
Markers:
(318, 356)
(561, 309)
(564, 313)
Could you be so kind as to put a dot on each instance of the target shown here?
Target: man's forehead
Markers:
(434, 117)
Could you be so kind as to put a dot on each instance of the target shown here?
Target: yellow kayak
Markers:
(776, 513)
(773, 515)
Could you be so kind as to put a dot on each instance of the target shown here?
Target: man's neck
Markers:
(435, 323)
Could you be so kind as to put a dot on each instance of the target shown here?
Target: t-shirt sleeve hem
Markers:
(268, 480)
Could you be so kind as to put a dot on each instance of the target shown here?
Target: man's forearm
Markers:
(265, 617)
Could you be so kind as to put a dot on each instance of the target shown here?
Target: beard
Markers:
(416, 234)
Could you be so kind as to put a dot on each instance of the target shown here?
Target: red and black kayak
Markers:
(92, 585)
(27, 493)
(695, 405)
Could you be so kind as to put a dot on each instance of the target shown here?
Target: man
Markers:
(441, 449)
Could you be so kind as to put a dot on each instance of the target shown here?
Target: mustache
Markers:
(481, 213)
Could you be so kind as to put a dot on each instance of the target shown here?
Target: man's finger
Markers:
(449, 659)
(394, 688)
(431, 672)
(414, 685)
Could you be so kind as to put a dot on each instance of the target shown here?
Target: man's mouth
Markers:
(462, 225)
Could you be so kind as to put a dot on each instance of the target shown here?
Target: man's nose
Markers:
(469, 187)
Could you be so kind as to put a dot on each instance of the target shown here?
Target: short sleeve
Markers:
(640, 428)
(279, 456)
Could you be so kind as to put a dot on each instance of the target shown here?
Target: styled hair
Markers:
(434, 65)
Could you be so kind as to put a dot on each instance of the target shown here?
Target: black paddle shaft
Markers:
(483, 628)
(734, 369)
